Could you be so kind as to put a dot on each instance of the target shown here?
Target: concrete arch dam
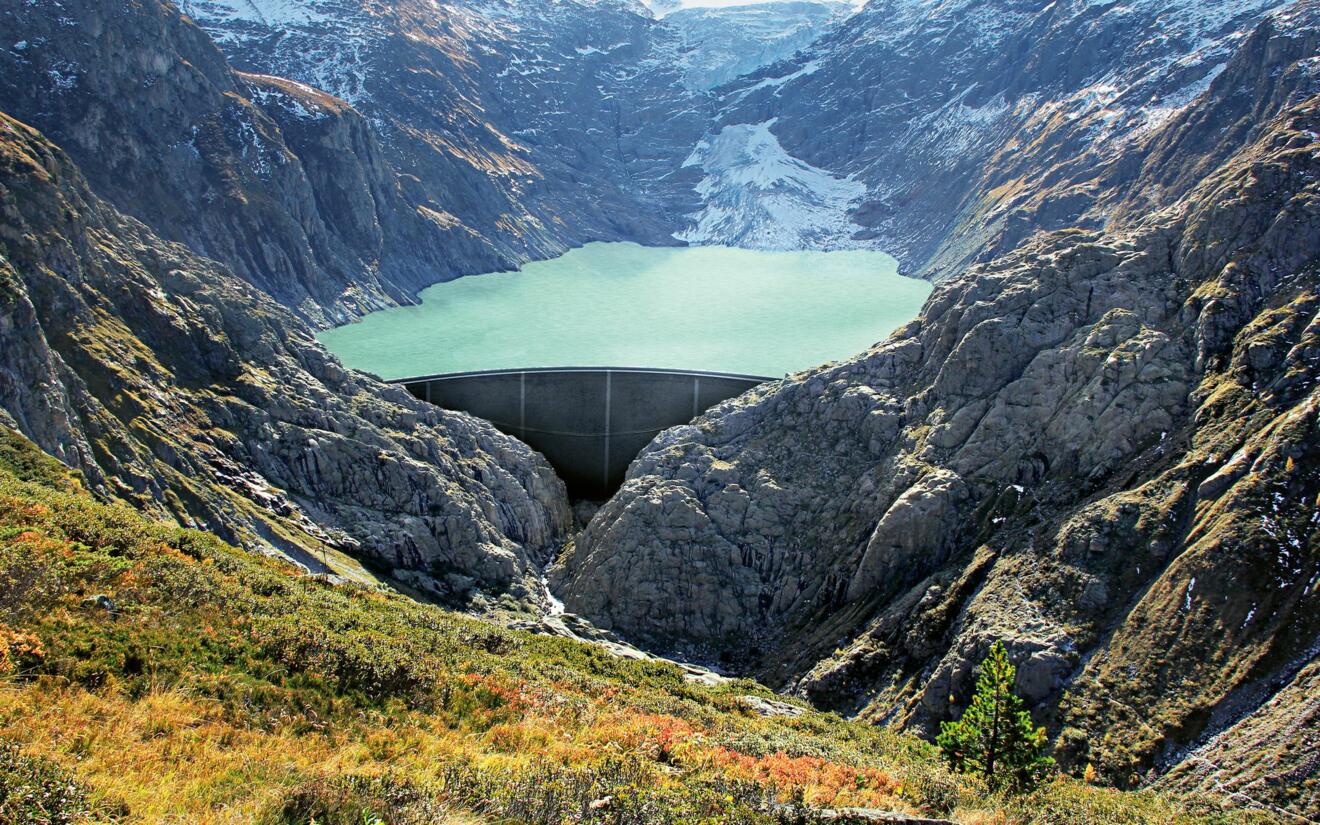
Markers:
(589, 422)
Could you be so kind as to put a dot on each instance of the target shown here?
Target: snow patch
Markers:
(585, 50)
(758, 196)
(274, 13)
(811, 67)
(63, 76)
(1173, 104)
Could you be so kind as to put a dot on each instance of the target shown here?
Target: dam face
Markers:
(589, 422)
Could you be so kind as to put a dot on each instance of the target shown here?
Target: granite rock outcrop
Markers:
(173, 384)
(1100, 447)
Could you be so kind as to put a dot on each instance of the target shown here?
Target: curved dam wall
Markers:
(589, 422)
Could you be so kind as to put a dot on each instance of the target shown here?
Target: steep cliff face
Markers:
(281, 182)
(171, 383)
(723, 43)
(537, 125)
(1101, 447)
(967, 126)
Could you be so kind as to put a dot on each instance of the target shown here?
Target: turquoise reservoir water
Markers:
(624, 305)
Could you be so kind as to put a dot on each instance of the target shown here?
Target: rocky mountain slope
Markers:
(145, 667)
(536, 125)
(341, 155)
(963, 127)
(580, 120)
(282, 182)
(171, 383)
(1101, 447)
(479, 133)
(723, 43)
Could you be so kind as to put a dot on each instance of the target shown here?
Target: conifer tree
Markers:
(995, 737)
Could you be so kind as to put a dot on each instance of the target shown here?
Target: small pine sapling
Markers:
(995, 737)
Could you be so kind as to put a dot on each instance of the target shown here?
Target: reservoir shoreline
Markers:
(716, 309)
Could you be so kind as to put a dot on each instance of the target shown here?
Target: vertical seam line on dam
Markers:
(589, 422)
(609, 386)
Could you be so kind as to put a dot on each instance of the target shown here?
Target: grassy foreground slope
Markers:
(153, 674)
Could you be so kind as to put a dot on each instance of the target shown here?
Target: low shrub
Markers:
(172, 677)
(36, 791)
(358, 800)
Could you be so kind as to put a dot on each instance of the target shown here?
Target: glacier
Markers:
(757, 196)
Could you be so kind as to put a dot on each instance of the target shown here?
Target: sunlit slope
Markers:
(156, 674)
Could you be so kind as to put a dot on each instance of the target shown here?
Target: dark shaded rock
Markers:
(100, 602)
